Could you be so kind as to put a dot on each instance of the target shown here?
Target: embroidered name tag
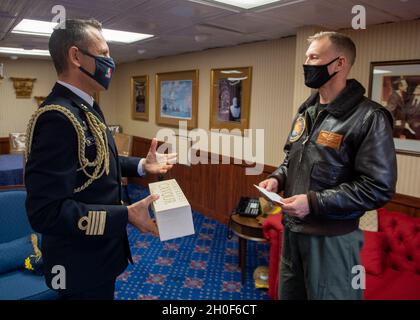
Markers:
(330, 139)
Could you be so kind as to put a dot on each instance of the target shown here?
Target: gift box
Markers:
(172, 210)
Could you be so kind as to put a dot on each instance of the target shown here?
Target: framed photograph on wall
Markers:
(177, 98)
(396, 86)
(139, 93)
(230, 92)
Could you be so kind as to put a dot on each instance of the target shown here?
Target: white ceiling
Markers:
(177, 23)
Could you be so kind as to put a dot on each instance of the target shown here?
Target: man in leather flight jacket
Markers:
(340, 162)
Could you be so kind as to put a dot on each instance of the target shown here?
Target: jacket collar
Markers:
(348, 99)
(85, 96)
(62, 91)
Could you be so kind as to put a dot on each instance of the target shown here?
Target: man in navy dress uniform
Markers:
(73, 171)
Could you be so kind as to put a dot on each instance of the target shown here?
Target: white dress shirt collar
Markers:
(88, 98)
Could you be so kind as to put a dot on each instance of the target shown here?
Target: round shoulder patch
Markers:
(298, 129)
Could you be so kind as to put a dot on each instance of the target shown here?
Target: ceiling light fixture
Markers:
(243, 4)
(45, 28)
(20, 51)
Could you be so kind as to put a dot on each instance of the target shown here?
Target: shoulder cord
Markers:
(34, 241)
(98, 129)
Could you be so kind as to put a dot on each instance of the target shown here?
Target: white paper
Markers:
(274, 197)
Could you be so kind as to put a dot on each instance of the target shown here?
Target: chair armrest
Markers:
(272, 231)
(272, 223)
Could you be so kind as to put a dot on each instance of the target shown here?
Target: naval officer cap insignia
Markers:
(93, 223)
(84, 107)
(298, 129)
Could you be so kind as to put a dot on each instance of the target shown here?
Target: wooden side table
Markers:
(246, 228)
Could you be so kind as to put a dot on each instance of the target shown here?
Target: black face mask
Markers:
(105, 67)
(317, 75)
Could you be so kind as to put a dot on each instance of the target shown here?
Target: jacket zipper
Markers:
(304, 143)
(309, 135)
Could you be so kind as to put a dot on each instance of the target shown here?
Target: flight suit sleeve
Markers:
(375, 177)
(50, 178)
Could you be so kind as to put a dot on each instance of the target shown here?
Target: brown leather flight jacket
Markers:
(345, 163)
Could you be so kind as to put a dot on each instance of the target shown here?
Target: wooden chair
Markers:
(17, 142)
(115, 128)
(124, 143)
(17, 146)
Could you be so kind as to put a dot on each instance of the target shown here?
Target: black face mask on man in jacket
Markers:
(317, 75)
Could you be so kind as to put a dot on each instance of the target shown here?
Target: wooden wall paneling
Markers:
(404, 203)
(212, 189)
(4, 145)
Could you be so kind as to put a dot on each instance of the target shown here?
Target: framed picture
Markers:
(140, 97)
(230, 94)
(396, 86)
(177, 98)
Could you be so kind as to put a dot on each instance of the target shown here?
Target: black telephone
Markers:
(249, 207)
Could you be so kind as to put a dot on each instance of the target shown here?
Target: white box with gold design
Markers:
(172, 210)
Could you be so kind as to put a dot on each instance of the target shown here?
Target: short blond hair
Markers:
(340, 41)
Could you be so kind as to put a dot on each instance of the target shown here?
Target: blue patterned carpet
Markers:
(203, 266)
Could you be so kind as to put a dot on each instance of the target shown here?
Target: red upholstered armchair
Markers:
(396, 273)
(272, 231)
(391, 256)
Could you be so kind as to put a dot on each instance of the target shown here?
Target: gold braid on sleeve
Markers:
(98, 129)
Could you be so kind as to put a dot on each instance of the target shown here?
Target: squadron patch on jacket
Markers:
(298, 129)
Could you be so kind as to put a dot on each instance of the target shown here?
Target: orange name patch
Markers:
(330, 139)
